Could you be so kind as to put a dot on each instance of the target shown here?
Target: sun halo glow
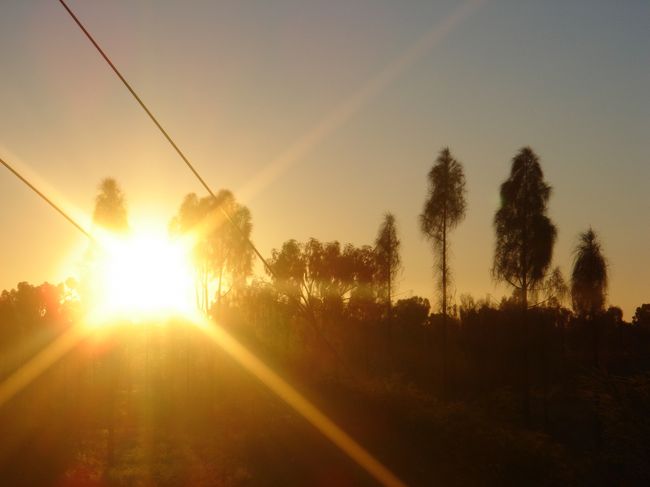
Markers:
(141, 277)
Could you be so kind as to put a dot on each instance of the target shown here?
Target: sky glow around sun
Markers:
(141, 276)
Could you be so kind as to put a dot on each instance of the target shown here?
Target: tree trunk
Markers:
(389, 303)
(206, 299)
(525, 370)
(445, 354)
(219, 290)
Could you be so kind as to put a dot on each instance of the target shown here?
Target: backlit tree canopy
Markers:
(221, 249)
(525, 235)
(110, 207)
(318, 270)
(387, 247)
(443, 210)
(589, 276)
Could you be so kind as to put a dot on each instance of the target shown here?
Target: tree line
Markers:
(540, 357)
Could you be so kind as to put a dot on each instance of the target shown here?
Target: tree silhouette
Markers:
(388, 263)
(443, 210)
(109, 214)
(289, 269)
(554, 289)
(232, 256)
(412, 311)
(314, 271)
(221, 251)
(589, 283)
(110, 207)
(525, 235)
(589, 276)
(316, 278)
(363, 296)
(189, 218)
(642, 316)
(524, 240)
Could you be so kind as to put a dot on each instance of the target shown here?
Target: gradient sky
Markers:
(324, 115)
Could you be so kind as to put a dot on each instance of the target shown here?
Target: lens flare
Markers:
(144, 276)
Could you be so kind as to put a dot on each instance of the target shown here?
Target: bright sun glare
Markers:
(142, 276)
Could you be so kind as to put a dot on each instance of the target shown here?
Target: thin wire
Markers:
(18, 380)
(225, 213)
(167, 136)
(47, 200)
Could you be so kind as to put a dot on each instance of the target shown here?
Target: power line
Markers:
(47, 200)
(37, 365)
(167, 136)
(307, 301)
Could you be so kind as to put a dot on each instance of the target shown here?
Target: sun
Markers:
(143, 276)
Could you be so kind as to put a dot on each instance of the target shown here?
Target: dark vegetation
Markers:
(525, 391)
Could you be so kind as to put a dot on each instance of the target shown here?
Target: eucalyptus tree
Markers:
(289, 269)
(525, 237)
(642, 316)
(110, 207)
(221, 251)
(232, 257)
(589, 283)
(314, 271)
(188, 218)
(443, 210)
(387, 247)
(110, 213)
(525, 234)
(555, 290)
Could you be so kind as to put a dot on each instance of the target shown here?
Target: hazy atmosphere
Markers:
(335, 89)
(324, 243)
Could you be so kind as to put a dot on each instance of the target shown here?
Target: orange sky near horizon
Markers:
(321, 116)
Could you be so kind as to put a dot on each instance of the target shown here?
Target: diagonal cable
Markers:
(153, 118)
(227, 216)
(47, 200)
(21, 378)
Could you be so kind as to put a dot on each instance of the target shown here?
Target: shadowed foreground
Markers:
(162, 406)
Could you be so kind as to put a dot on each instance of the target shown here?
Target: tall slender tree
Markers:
(589, 283)
(387, 247)
(110, 213)
(443, 210)
(524, 241)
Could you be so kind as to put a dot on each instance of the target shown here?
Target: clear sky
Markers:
(324, 115)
